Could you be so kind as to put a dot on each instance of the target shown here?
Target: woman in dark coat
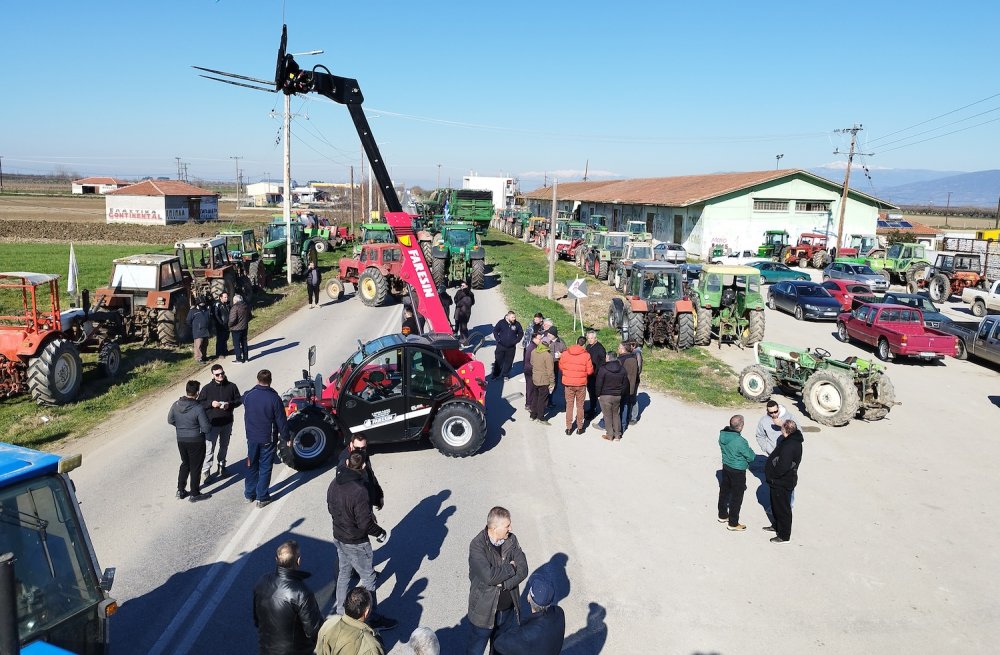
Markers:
(464, 300)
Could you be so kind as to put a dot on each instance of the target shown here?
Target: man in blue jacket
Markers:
(263, 415)
(542, 632)
(507, 333)
(736, 459)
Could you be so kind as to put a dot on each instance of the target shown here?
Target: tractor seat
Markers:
(850, 361)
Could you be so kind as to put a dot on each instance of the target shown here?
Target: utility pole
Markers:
(777, 158)
(586, 169)
(552, 242)
(178, 168)
(1, 173)
(947, 208)
(237, 181)
(370, 189)
(361, 183)
(286, 196)
(996, 224)
(439, 176)
(352, 200)
(847, 179)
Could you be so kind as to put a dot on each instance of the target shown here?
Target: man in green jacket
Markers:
(349, 634)
(736, 458)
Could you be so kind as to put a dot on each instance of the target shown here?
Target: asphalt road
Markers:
(892, 548)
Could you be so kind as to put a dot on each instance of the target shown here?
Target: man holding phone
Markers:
(219, 398)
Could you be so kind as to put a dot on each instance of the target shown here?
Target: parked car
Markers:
(691, 272)
(771, 272)
(980, 339)
(982, 301)
(849, 293)
(670, 252)
(895, 330)
(933, 318)
(803, 300)
(856, 273)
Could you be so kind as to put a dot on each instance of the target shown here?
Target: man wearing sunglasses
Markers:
(769, 426)
(219, 398)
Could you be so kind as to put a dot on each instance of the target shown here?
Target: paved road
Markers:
(892, 548)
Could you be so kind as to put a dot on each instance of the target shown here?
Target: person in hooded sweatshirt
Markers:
(782, 474)
(610, 384)
(736, 459)
(191, 423)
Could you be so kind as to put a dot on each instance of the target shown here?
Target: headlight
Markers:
(812, 308)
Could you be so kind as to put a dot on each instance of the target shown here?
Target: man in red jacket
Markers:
(576, 367)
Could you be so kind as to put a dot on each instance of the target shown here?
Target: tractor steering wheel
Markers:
(821, 353)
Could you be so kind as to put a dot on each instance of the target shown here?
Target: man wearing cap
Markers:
(541, 633)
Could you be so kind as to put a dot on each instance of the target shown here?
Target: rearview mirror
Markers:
(312, 357)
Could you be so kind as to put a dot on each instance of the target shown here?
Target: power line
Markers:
(906, 145)
(947, 113)
(935, 129)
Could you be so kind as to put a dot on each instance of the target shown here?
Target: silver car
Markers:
(856, 273)
(670, 252)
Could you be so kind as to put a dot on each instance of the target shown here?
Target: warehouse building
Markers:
(265, 194)
(729, 209)
(161, 202)
(97, 185)
(503, 188)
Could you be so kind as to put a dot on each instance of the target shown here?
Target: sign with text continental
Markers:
(135, 215)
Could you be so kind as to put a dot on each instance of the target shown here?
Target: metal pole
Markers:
(439, 177)
(237, 181)
(9, 639)
(287, 195)
(843, 195)
(996, 225)
(369, 189)
(552, 242)
(352, 200)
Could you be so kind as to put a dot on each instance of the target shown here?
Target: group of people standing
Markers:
(222, 319)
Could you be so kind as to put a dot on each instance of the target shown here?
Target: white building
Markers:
(731, 209)
(502, 188)
(263, 194)
(97, 185)
(161, 202)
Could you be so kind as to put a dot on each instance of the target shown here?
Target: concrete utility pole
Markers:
(847, 178)
(777, 158)
(352, 200)
(237, 180)
(439, 177)
(178, 168)
(552, 242)
(996, 224)
(287, 195)
(361, 183)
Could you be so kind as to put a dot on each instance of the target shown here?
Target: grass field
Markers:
(693, 375)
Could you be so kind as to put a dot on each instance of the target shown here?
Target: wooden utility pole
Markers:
(552, 242)
(586, 169)
(847, 179)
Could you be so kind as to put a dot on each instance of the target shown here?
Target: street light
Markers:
(439, 176)
(777, 158)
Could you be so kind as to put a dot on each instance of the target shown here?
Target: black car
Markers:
(933, 318)
(803, 300)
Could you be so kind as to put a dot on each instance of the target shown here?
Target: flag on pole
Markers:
(74, 273)
(446, 213)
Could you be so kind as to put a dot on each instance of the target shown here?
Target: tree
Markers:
(895, 236)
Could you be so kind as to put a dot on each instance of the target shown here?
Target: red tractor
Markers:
(40, 346)
(810, 250)
(375, 274)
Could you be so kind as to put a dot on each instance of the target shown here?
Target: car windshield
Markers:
(377, 236)
(810, 291)
(861, 269)
(615, 242)
(642, 252)
(460, 238)
(916, 301)
(134, 276)
(54, 576)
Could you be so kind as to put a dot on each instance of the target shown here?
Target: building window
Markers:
(812, 205)
(770, 205)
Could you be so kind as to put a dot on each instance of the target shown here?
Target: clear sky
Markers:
(640, 89)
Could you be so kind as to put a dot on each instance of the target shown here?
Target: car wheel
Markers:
(883, 353)
(770, 302)
(763, 280)
(799, 315)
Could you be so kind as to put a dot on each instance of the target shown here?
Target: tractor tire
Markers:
(372, 287)
(314, 441)
(979, 309)
(244, 287)
(684, 329)
(298, 267)
(321, 245)
(803, 262)
(820, 259)
(109, 358)
(756, 383)
(55, 375)
(459, 429)
(602, 270)
(479, 274)
(518, 231)
(335, 290)
(616, 314)
(578, 257)
(256, 274)
(439, 271)
(635, 324)
(912, 286)
(885, 393)
(217, 287)
(703, 327)
(830, 398)
(425, 247)
(783, 254)
(166, 328)
(611, 279)
(755, 332)
(882, 350)
(939, 287)
(842, 334)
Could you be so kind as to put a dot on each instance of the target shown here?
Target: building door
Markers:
(678, 228)
(650, 219)
(614, 219)
(194, 209)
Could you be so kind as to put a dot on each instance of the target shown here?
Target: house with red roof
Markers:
(97, 185)
(161, 202)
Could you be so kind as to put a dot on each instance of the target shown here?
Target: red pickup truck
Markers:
(895, 330)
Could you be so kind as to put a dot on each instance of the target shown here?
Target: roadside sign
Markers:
(577, 288)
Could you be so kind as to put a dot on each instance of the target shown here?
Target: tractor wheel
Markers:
(335, 290)
(578, 257)
(322, 245)
(372, 287)
(962, 352)
(884, 393)
(54, 377)
(602, 270)
(756, 383)
(256, 274)
(882, 351)
(619, 281)
(939, 287)
(109, 358)
(298, 266)
(217, 287)
(842, 334)
(439, 270)
(830, 398)
(459, 429)
(635, 323)
(684, 330)
(478, 274)
(755, 332)
(979, 309)
(616, 314)
(425, 247)
(611, 279)
(518, 231)
(803, 262)
(314, 441)
(912, 286)
(820, 259)
(166, 328)
(703, 327)
(783, 254)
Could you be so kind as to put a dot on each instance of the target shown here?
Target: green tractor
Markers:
(605, 253)
(638, 231)
(276, 246)
(833, 390)
(245, 251)
(458, 254)
(373, 233)
(774, 242)
(728, 305)
(900, 263)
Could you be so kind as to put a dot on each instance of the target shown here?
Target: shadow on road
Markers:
(995, 400)
(590, 639)
(271, 351)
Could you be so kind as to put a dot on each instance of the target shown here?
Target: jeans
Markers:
(482, 636)
(313, 293)
(630, 409)
(240, 345)
(574, 398)
(260, 458)
(192, 454)
(539, 401)
(221, 341)
(219, 434)
(732, 485)
(503, 361)
(611, 407)
(350, 558)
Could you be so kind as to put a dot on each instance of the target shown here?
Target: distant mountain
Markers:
(881, 178)
(921, 187)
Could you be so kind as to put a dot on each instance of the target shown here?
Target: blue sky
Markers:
(526, 89)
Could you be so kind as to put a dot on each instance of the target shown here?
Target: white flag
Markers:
(74, 273)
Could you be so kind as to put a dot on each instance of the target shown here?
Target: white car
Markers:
(670, 252)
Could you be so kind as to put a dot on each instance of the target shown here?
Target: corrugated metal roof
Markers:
(161, 188)
(675, 191)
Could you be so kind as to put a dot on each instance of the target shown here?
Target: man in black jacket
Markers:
(359, 444)
(782, 474)
(350, 509)
(220, 314)
(285, 611)
(191, 423)
(598, 355)
(464, 300)
(497, 566)
(313, 279)
(610, 385)
(200, 321)
(507, 333)
(219, 398)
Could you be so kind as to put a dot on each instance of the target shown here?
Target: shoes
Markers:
(569, 431)
(532, 417)
(618, 438)
(736, 528)
(580, 431)
(380, 622)
(543, 421)
(249, 501)
(222, 469)
(263, 503)
(768, 528)
(633, 422)
(236, 361)
(723, 519)
(194, 498)
(181, 494)
(607, 437)
(208, 477)
(778, 540)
